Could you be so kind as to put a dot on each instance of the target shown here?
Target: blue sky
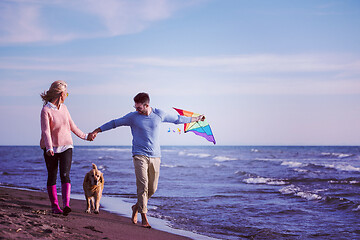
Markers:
(264, 72)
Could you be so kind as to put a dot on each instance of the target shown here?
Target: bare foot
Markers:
(134, 214)
(145, 222)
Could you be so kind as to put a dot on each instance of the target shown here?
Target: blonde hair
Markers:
(54, 91)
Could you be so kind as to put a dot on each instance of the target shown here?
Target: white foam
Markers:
(344, 182)
(266, 159)
(105, 157)
(338, 155)
(224, 158)
(342, 155)
(321, 190)
(308, 196)
(198, 155)
(293, 164)
(343, 167)
(101, 168)
(181, 153)
(357, 209)
(298, 192)
(262, 180)
(167, 150)
(170, 165)
(289, 190)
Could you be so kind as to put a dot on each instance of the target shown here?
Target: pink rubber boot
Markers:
(66, 189)
(54, 199)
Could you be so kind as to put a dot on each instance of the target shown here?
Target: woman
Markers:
(56, 141)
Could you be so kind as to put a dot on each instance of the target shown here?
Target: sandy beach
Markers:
(27, 215)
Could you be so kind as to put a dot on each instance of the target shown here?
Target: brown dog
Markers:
(93, 187)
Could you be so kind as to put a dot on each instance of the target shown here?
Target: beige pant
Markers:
(147, 172)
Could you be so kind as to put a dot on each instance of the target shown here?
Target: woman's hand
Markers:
(50, 153)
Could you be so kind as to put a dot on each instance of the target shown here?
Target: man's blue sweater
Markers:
(145, 129)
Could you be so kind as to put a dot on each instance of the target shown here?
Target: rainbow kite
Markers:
(201, 128)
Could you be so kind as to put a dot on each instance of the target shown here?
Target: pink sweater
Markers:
(56, 127)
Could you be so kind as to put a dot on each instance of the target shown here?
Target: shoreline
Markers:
(27, 214)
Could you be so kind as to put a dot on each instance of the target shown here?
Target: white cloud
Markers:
(257, 63)
(260, 63)
(247, 74)
(124, 17)
(28, 21)
(20, 23)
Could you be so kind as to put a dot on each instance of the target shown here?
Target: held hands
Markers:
(92, 135)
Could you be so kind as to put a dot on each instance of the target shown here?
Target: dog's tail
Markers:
(94, 166)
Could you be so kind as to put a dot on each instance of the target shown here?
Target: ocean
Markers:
(221, 192)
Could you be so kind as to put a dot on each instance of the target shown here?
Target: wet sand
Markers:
(27, 215)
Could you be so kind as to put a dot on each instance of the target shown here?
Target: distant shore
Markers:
(27, 215)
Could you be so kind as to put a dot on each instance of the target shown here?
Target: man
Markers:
(145, 128)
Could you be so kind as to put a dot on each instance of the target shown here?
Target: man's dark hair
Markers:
(142, 98)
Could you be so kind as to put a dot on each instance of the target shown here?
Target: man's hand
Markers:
(201, 118)
(198, 118)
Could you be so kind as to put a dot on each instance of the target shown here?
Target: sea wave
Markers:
(293, 164)
(198, 155)
(218, 165)
(242, 173)
(337, 166)
(344, 182)
(224, 158)
(341, 202)
(296, 191)
(102, 168)
(343, 167)
(105, 157)
(300, 170)
(263, 180)
(336, 155)
(266, 159)
(171, 166)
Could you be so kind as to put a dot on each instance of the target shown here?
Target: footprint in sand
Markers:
(32, 215)
(14, 215)
(34, 224)
(92, 228)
